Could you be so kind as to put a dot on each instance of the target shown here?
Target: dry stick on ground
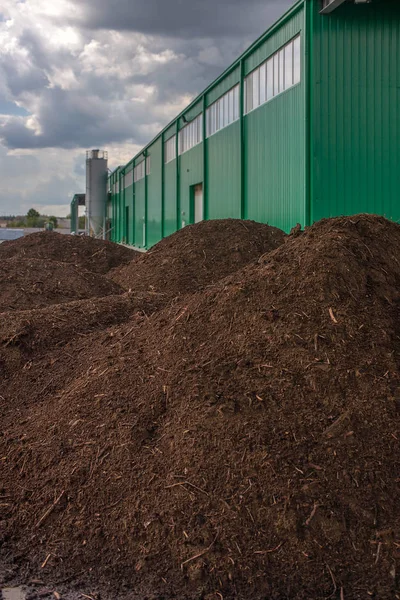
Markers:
(50, 510)
(314, 510)
(189, 484)
(46, 561)
(200, 553)
(333, 581)
(270, 551)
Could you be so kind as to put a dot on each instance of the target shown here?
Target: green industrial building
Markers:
(304, 125)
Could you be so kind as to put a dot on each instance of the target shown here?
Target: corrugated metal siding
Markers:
(154, 196)
(193, 112)
(140, 212)
(191, 173)
(170, 198)
(284, 34)
(356, 111)
(223, 86)
(275, 159)
(223, 173)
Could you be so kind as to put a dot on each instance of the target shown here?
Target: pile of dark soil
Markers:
(197, 256)
(28, 283)
(89, 253)
(241, 443)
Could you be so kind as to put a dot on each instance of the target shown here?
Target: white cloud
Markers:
(89, 75)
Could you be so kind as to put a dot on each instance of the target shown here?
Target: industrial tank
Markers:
(96, 193)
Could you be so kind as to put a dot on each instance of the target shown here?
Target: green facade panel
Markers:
(279, 38)
(154, 195)
(275, 161)
(169, 198)
(355, 126)
(223, 86)
(140, 213)
(223, 173)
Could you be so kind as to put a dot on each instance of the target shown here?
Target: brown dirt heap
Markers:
(243, 442)
(94, 255)
(28, 283)
(197, 256)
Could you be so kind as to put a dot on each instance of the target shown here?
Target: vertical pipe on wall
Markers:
(146, 185)
(308, 79)
(243, 208)
(178, 184)
(205, 161)
(162, 186)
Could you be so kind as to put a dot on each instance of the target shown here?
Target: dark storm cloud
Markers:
(184, 18)
(67, 122)
(204, 37)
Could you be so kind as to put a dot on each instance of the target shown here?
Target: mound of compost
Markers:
(89, 253)
(28, 283)
(241, 443)
(196, 256)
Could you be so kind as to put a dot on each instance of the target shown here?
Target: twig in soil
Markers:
(313, 512)
(378, 552)
(185, 562)
(332, 316)
(45, 561)
(50, 510)
(86, 596)
(270, 551)
(341, 594)
(189, 484)
(333, 581)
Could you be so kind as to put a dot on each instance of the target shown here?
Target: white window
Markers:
(270, 78)
(263, 83)
(296, 61)
(148, 165)
(288, 66)
(128, 179)
(279, 73)
(191, 134)
(223, 112)
(139, 171)
(170, 149)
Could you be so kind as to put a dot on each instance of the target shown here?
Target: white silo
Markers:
(96, 193)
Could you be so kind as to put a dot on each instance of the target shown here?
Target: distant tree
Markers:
(81, 222)
(34, 219)
(54, 221)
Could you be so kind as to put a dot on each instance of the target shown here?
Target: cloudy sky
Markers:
(81, 74)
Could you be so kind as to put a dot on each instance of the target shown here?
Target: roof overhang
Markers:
(329, 6)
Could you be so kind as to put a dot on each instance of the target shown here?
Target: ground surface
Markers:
(239, 439)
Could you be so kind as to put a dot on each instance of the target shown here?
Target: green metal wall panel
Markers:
(223, 86)
(170, 131)
(275, 160)
(191, 173)
(355, 127)
(278, 39)
(170, 198)
(140, 213)
(223, 173)
(192, 112)
(154, 195)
